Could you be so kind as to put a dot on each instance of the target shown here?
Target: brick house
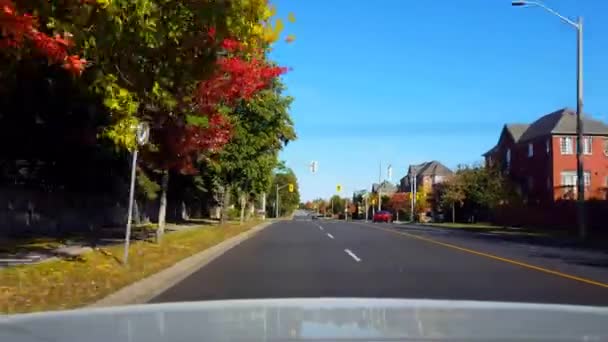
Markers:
(428, 174)
(541, 157)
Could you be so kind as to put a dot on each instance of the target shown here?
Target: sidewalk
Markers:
(26, 251)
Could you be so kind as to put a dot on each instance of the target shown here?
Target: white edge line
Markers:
(330, 236)
(321, 228)
(349, 252)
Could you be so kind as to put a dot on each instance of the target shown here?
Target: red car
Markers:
(383, 216)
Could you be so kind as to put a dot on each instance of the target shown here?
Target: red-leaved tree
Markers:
(398, 202)
(18, 31)
(238, 76)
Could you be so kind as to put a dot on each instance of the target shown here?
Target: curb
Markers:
(144, 290)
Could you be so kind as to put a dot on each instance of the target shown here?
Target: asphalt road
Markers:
(304, 258)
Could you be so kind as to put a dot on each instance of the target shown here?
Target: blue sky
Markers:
(403, 81)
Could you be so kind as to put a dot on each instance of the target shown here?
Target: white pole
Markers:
(264, 205)
(366, 209)
(380, 187)
(130, 210)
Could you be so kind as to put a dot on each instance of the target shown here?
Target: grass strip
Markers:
(65, 284)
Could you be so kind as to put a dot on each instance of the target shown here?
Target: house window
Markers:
(548, 145)
(587, 178)
(530, 150)
(530, 183)
(565, 145)
(569, 178)
(587, 144)
(508, 158)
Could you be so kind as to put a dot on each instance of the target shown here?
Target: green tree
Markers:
(477, 190)
(260, 129)
(451, 194)
(288, 201)
(338, 204)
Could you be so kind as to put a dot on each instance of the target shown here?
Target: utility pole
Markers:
(413, 192)
(276, 202)
(380, 187)
(366, 208)
(582, 225)
(346, 209)
(580, 175)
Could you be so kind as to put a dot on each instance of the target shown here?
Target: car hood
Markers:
(319, 319)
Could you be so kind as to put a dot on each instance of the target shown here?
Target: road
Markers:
(304, 258)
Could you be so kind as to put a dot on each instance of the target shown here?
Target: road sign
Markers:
(338, 188)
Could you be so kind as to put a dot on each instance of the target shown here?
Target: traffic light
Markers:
(338, 188)
(313, 167)
(290, 187)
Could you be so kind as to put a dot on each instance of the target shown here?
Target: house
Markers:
(428, 174)
(386, 188)
(540, 158)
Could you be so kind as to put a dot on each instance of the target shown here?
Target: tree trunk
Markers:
(225, 205)
(453, 212)
(162, 210)
(243, 203)
(136, 214)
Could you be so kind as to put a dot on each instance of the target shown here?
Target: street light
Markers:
(142, 133)
(276, 202)
(580, 181)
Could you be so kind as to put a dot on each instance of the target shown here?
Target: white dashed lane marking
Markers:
(353, 255)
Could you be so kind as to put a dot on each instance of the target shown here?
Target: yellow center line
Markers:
(495, 257)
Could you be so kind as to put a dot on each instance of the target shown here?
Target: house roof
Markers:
(432, 168)
(385, 185)
(562, 121)
(517, 130)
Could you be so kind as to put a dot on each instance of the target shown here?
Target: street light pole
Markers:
(582, 226)
(277, 199)
(580, 178)
(276, 202)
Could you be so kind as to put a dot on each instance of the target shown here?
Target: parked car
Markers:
(383, 216)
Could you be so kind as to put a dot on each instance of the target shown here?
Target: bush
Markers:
(234, 214)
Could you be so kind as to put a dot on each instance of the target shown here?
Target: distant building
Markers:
(540, 158)
(427, 174)
(386, 188)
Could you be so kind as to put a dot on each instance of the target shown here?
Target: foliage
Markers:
(320, 204)
(22, 31)
(398, 201)
(337, 204)
(197, 71)
(261, 127)
(477, 190)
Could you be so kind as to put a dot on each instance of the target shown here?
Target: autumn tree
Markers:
(398, 202)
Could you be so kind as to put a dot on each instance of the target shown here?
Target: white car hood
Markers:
(318, 319)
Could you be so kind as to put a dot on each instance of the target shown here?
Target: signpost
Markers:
(142, 133)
